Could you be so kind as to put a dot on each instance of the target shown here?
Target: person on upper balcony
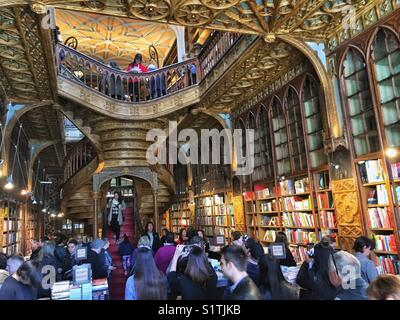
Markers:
(136, 67)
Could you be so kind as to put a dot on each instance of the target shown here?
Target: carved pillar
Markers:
(95, 213)
(180, 41)
(347, 212)
(156, 217)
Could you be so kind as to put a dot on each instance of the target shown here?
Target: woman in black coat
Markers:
(153, 236)
(313, 275)
(198, 281)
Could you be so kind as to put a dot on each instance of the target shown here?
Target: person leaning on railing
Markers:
(135, 67)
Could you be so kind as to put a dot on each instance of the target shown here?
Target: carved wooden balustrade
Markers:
(124, 86)
(80, 155)
(215, 48)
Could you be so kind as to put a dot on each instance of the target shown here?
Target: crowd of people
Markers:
(168, 269)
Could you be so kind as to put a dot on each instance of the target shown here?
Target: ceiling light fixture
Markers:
(9, 185)
(391, 152)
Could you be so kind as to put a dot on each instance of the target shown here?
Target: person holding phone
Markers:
(199, 280)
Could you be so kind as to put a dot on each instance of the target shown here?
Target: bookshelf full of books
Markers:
(180, 215)
(298, 215)
(12, 228)
(325, 205)
(250, 213)
(215, 212)
(267, 212)
(379, 205)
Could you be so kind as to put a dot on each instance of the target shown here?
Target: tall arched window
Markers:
(314, 123)
(296, 137)
(359, 103)
(280, 138)
(263, 153)
(386, 54)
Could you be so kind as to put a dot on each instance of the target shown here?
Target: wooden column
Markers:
(156, 217)
(95, 215)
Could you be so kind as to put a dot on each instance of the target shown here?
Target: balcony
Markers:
(141, 95)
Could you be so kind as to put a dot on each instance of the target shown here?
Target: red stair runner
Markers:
(118, 280)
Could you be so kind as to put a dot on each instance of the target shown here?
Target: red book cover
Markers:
(392, 243)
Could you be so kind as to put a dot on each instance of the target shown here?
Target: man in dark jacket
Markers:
(35, 247)
(96, 259)
(233, 265)
(69, 260)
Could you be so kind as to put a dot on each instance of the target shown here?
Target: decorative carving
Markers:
(192, 13)
(149, 9)
(238, 213)
(219, 4)
(97, 5)
(347, 211)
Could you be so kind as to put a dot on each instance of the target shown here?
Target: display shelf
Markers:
(379, 207)
(215, 212)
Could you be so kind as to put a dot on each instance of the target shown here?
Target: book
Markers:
(395, 170)
(371, 171)
(379, 218)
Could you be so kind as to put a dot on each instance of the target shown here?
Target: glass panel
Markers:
(387, 67)
(386, 90)
(382, 69)
(314, 124)
(393, 135)
(359, 103)
(389, 112)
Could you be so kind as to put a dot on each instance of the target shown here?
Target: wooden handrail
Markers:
(77, 158)
(215, 49)
(126, 86)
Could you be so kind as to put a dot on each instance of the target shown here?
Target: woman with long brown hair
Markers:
(199, 280)
(147, 283)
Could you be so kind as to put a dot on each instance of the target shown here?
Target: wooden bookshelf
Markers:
(299, 217)
(325, 205)
(12, 228)
(378, 196)
(215, 211)
(267, 213)
(179, 215)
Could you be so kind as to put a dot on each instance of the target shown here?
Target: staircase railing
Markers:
(81, 154)
(215, 48)
(122, 85)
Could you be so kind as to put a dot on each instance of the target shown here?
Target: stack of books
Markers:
(298, 219)
(371, 171)
(395, 170)
(379, 218)
(385, 243)
(327, 219)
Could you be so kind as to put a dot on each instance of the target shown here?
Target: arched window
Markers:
(359, 104)
(263, 151)
(296, 137)
(313, 123)
(280, 138)
(386, 54)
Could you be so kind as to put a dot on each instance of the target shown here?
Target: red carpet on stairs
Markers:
(118, 280)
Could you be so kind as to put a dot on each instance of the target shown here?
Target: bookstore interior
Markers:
(312, 88)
